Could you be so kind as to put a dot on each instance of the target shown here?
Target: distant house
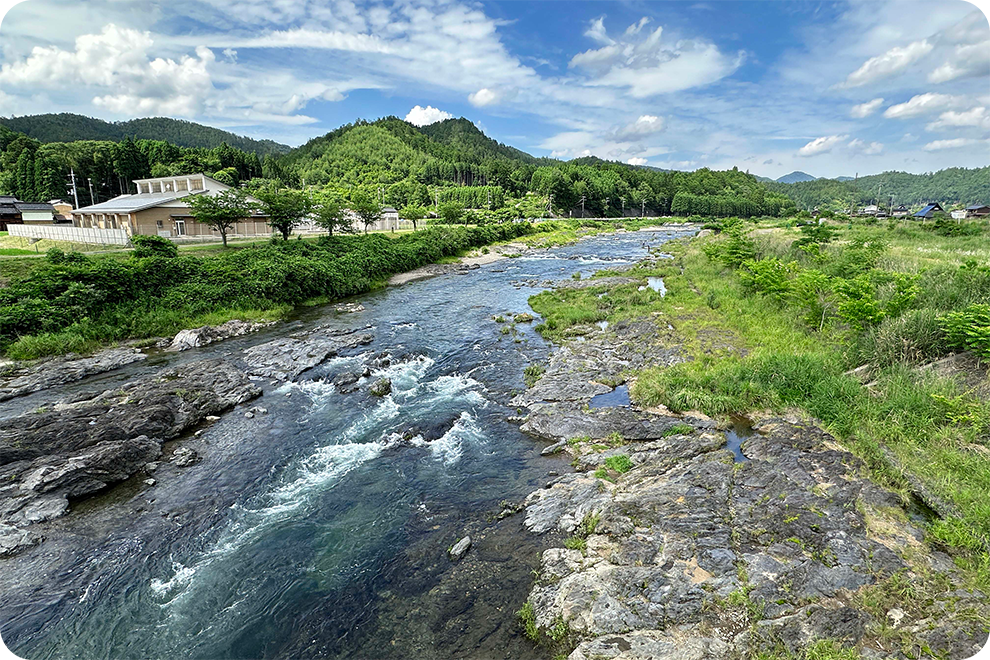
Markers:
(958, 214)
(978, 211)
(900, 211)
(929, 210)
(159, 208)
(872, 209)
(15, 212)
(63, 210)
(391, 217)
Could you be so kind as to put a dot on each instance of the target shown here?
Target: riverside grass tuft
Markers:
(773, 319)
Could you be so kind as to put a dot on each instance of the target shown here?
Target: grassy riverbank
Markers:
(72, 302)
(774, 318)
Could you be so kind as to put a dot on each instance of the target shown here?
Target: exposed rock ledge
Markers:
(73, 450)
(19, 379)
(683, 553)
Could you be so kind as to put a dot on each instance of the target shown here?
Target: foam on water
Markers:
(449, 447)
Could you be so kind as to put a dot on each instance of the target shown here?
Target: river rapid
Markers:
(320, 528)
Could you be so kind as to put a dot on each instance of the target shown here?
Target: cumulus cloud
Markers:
(891, 62)
(977, 117)
(921, 104)
(644, 126)
(645, 65)
(420, 116)
(118, 61)
(821, 145)
(964, 60)
(484, 97)
(596, 31)
(637, 161)
(866, 109)
(867, 149)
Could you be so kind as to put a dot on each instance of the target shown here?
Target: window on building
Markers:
(180, 227)
(161, 225)
(195, 184)
(181, 184)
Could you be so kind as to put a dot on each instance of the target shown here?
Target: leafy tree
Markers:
(221, 211)
(451, 212)
(284, 207)
(366, 208)
(414, 213)
(329, 212)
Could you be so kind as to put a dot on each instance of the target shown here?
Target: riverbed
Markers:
(321, 526)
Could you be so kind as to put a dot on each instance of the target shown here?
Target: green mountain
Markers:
(462, 135)
(67, 127)
(795, 177)
(955, 185)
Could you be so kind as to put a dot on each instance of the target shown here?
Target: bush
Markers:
(768, 276)
(153, 246)
(915, 336)
(969, 329)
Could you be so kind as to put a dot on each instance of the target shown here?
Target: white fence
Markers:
(71, 234)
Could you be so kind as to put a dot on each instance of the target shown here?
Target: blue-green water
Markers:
(320, 528)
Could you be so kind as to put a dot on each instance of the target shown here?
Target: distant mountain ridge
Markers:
(68, 127)
(796, 177)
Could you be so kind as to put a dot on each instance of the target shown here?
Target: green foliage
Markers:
(451, 212)
(528, 617)
(768, 276)
(222, 210)
(532, 374)
(576, 543)
(732, 249)
(105, 299)
(969, 329)
(329, 212)
(620, 463)
(150, 246)
(284, 207)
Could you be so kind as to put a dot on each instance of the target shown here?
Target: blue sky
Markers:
(831, 88)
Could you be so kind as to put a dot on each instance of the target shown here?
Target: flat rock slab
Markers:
(22, 380)
(287, 357)
(431, 270)
(563, 422)
(196, 337)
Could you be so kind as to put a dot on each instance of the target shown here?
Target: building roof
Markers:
(389, 209)
(32, 206)
(976, 207)
(928, 209)
(132, 203)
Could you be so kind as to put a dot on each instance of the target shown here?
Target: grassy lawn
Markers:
(757, 351)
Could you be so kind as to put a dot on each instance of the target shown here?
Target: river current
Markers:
(320, 529)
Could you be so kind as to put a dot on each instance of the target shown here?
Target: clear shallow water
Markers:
(618, 397)
(314, 529)
(736, 434)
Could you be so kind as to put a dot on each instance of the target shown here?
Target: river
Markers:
(312, 530)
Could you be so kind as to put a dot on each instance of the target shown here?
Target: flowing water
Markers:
(321, 528)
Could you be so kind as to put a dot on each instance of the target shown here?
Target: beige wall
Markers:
(146, 223)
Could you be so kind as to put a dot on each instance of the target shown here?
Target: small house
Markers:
(929, 210)
(872, 209)
(900, 211)
(978, 211)
(15, 212)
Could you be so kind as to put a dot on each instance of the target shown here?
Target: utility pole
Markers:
(582, 205)
(606, 207)
(550, 205)
(623, 206)
(642, 210)
(75, 195)
(91, 197)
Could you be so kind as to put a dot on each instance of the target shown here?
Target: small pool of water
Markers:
(735, 435)
(617, 398)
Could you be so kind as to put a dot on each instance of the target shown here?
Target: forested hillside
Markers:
(394, 163)
(36, 172)
(952, 186)
(67, 127)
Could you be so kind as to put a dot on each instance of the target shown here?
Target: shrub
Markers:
(620, 463)
(151, 246)
(767, 276)
(969, 329)
(916, 335)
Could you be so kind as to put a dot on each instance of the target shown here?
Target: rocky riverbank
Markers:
(676, 547)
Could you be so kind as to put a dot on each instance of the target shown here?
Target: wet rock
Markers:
(207, 334)
(285, 358)
(184, 457)
(161, 406)
(347, 382)
(460, 548)
(258, 410)
(150, 482)
(523, 318)
(249, 414)
(381, 387)
(19, 380)
(555, 448)
(15, 539)
(650, 645)
(348, 308)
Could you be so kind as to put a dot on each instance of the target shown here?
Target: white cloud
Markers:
(596, 31)
(420, 116)
(977, 117)
(644, 126)
(637, 26)
(646, 66)
(117, 61)
(964, 60)
(955, 143)
(308, 38)
(484, 97)
(891, 62)
(870, 149)
(866, 109)
(821, 145)
(921, 104)
(637, 161)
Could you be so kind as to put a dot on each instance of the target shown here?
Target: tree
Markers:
(284, 207)
(329, 212)
(220, 211)
(451, 212)
(414, 213)
(367, 209)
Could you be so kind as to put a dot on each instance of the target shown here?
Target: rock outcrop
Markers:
(50, 456)
(19, 380)
(287, 357)
(196, 337)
